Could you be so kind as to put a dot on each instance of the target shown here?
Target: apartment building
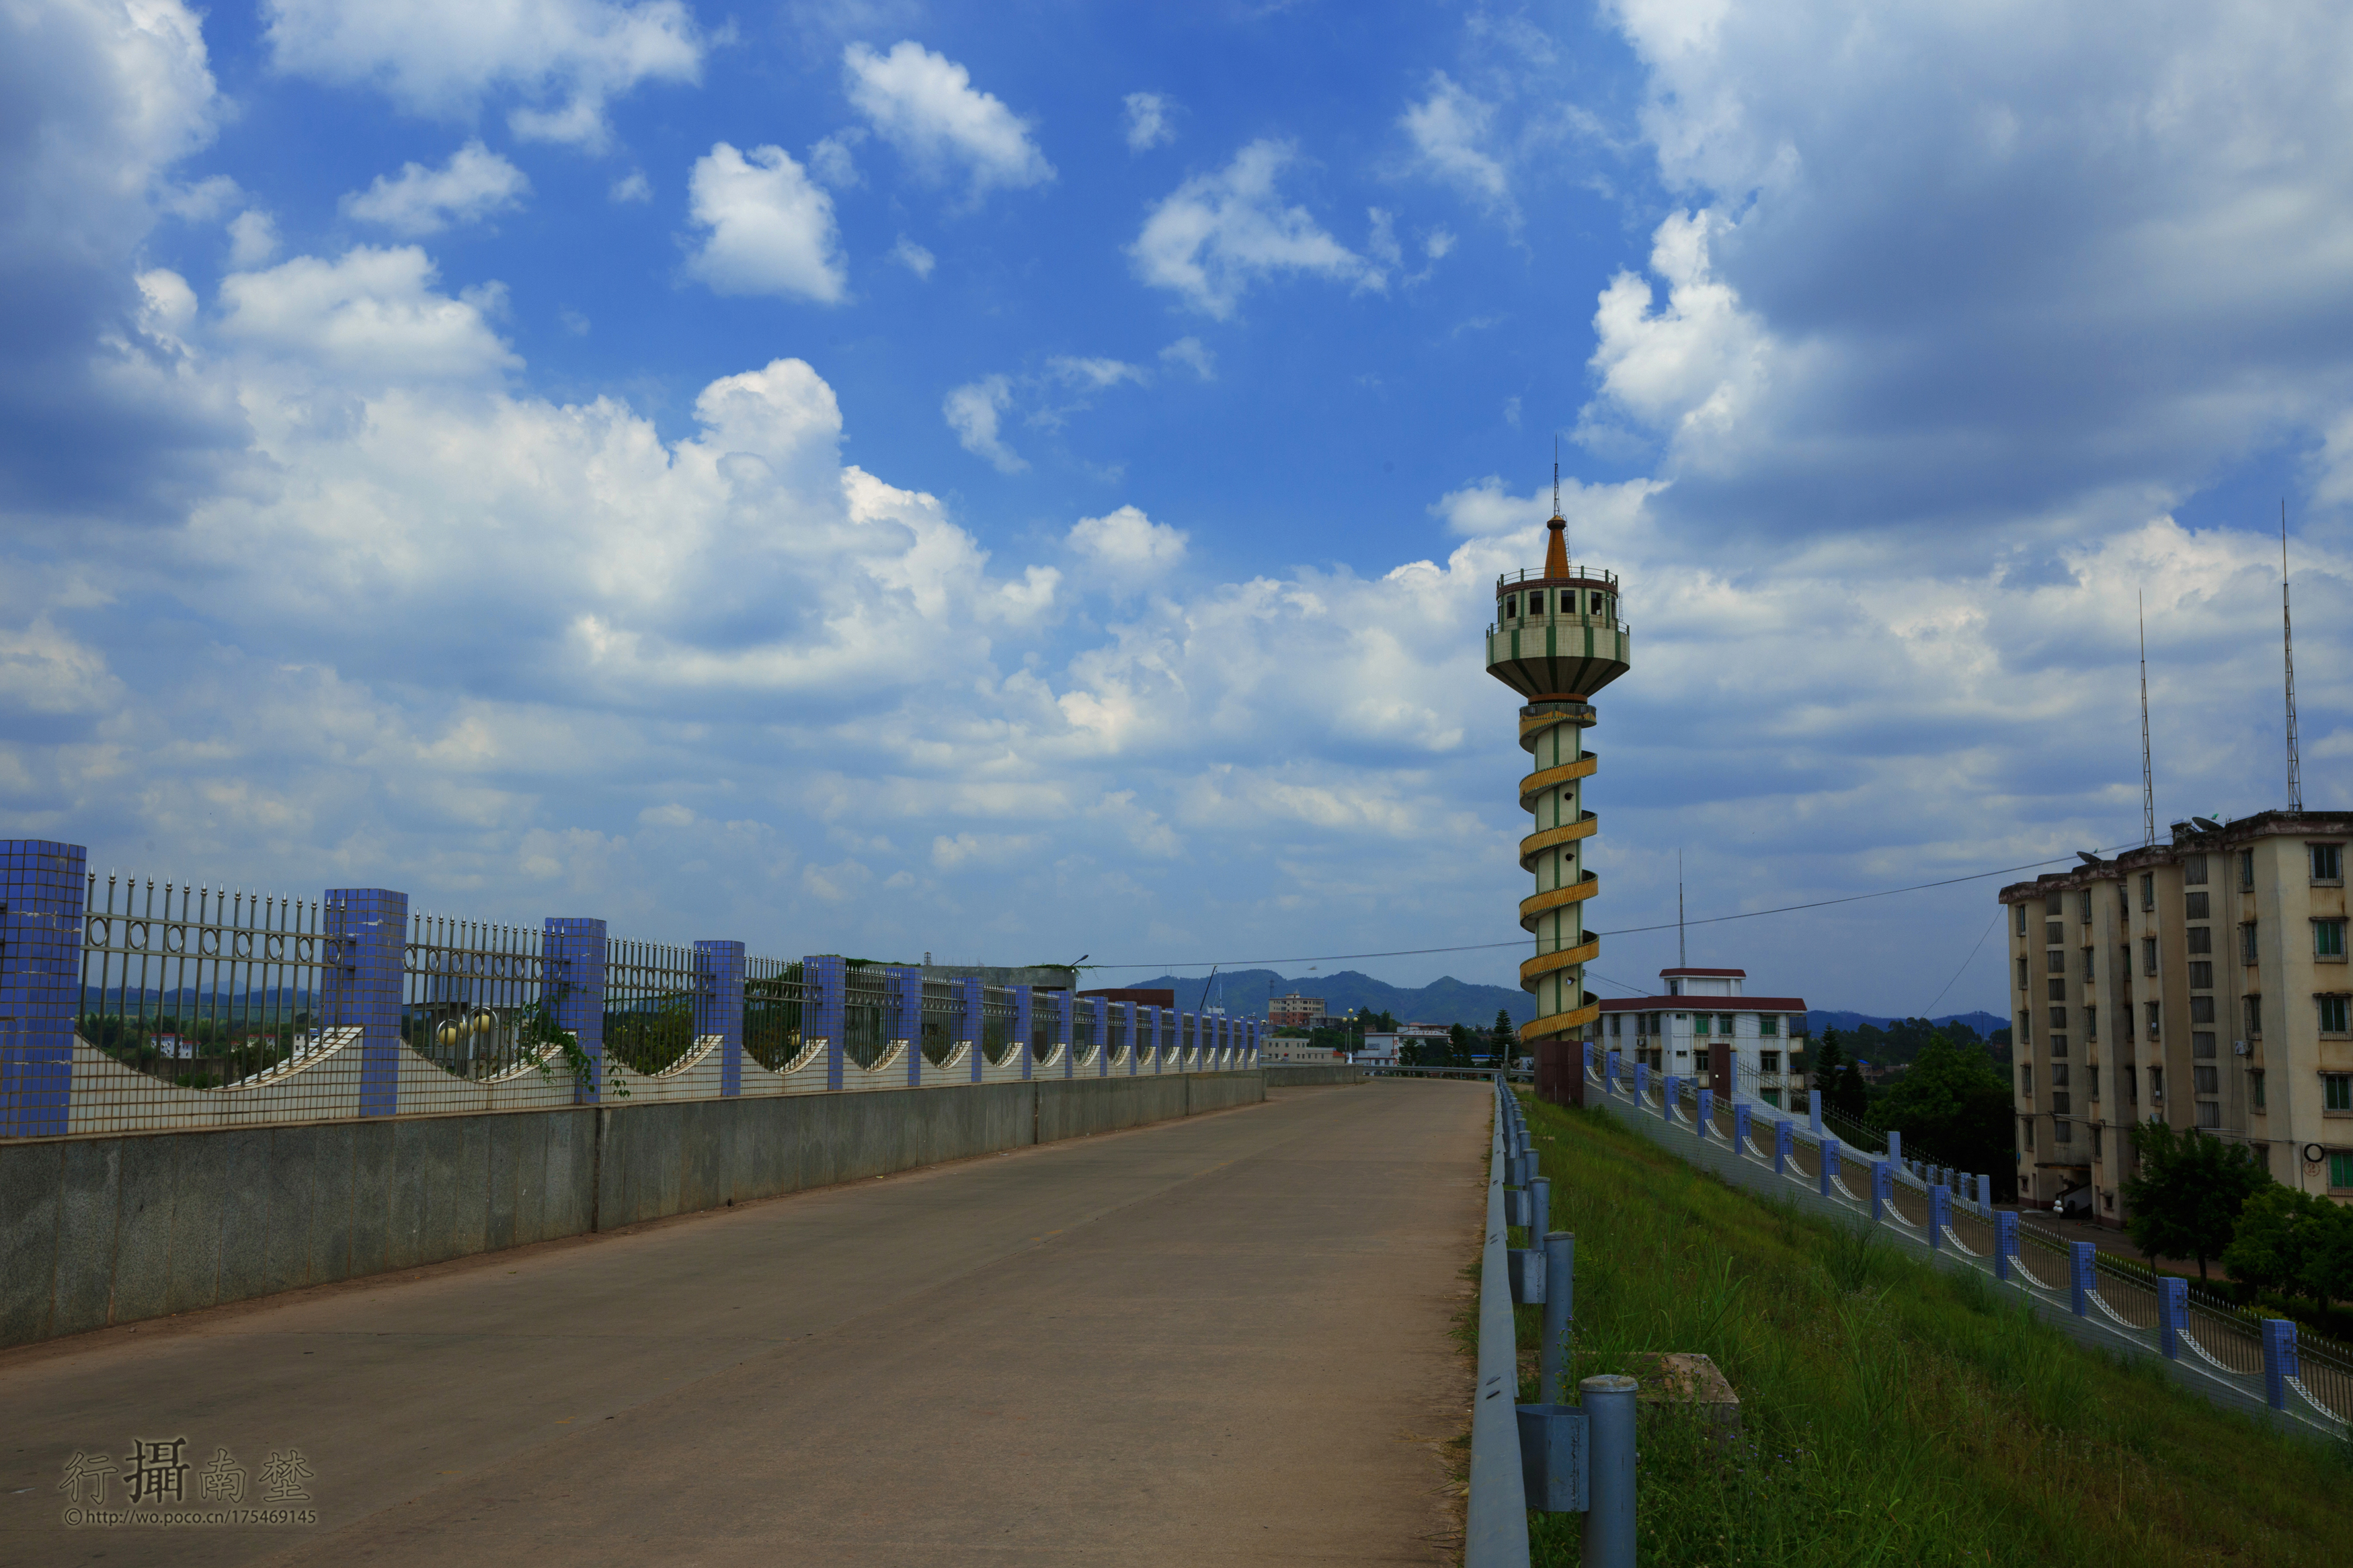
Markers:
(2201, 981)
(1295, 1011)
(1704, 1025)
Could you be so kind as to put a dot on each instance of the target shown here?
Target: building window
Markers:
(2055, 905)
(2149, 889)
(2132, 1086)
(2056, 961)
(1771, 1097)
(2083, 905)
(2201, 974)
(2209, 1113)
(2336, 1091)
(1723, 1024)
(1769, 1061)
(2058, 1075)
(2023, 981)
(2152, 1022)
(2254, 1008)
(2207, 1081)
(2026, 1028)
(2020, 911)
(2058, 1021)
(2058, 989)
(2091, 1026)
(2058, 1044)
(2332, 1016)
(2247, 942)
(2149, 955)
(2087, 966)
(2327, 862)
(2201, 1043)
(1768, 1023)
(2247, 869)
(2193, 871)
(2201, 938)
(2026, 1131)
(2255, 1089)
(2096, 1140)
(2194, 906)
(2062, 1132)
(2328, 939)
(2054, 934)
(2026, 1080)
(2201, 1009)
(1699, 1028)
(2156, 1084)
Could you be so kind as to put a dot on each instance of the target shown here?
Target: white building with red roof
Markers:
(1705, 1026)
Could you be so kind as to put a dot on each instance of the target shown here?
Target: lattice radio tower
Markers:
(2287, 648)
(2148, 779)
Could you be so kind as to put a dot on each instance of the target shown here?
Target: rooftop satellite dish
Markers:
(2207, 822)
(2088, 858)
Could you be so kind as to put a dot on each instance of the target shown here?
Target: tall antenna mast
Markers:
(1555, 484)
(2148, 779)
(1683, 955)
(2287, 647)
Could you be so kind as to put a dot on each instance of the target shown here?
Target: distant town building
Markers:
(1297, 1049)
(1296, 1012)
(1142, 995)
(1705, 1026)
(1389, 1046)
(2202, 981)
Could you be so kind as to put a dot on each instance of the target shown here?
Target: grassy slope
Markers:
(1893, 1413)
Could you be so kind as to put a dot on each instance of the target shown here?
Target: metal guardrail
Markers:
(2240, 1361)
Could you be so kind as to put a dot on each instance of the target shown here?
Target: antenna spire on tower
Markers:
(2287, 648)
(2147, 781)
(1683, 955)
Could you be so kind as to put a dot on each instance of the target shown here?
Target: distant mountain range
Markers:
(1244, 991)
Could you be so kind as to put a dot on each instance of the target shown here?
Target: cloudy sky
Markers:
(1026, 480)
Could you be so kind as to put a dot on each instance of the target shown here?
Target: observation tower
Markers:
(1556, 640)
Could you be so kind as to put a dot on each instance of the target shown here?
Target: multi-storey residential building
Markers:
(2202, 981)
(1704, 1026)
(1295, 1011)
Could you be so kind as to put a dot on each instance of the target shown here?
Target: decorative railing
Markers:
(474, 998)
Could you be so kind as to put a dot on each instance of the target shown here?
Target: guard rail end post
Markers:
(1610, 1412)
(2005, 1242)
(1540, 1208)
(1940, 1215)
(2279, 1360)
(2081, 1280)
(2172, 1310)
(1828, 1151)
(1560, 1295)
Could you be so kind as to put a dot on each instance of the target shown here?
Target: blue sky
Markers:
(1025, 482)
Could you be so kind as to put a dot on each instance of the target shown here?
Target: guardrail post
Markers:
(1740, 1124)
(1894, 1146)
(572, 957)
(368, 933)
(1827, 1150)
(1610, 1072)
(43, 886)
(1669, 1096)
(1883, 1189)
(1707, 1110)
(1940, 1215)
(826, 1014)
(2279, 1360)
(1785, 1141)
(2081, 1278)
(2172, 1311)
(1814, 1111)
(719, 1008)
(1539, 1205)
(2005, 1242)
(1610, 1411)
(1560, 1296)
(1641, 1085)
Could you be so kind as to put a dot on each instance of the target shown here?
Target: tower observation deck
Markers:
(1556, 640)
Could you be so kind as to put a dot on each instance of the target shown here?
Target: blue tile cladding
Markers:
(42, 884)
(719, 1008)
(368, 930)
(571, 950)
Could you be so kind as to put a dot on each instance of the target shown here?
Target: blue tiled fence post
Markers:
(906, 984)
(42, 885)
(1642, 1083)
(1740, 1125)
(1670, 1096)
(573, 951)
(1940, 1215)
(1814, 1111)
(1610, 1076)
(1785, 1141)
(719, 1007)
(2005, 1242)
(368, 933)
(1828, 1151)
(825, 1007)
(1099, 1029)
(1895, 1147)
(1707, 1112)
(2279, 1360)
(2172, 1312)
(1883, 1189)
(2082, 1279)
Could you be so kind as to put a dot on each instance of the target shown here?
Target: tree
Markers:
(1825, 1059)
(1851, 1096)
(1507, 1035)
(1954, 1105)
(2291, 1241)
(2186, 1201)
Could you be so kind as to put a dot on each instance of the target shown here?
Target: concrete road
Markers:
(1221, 1340)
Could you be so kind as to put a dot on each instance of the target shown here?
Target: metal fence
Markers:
(649, 995)
(2237, 1355)
(473, 997)
(772, 993)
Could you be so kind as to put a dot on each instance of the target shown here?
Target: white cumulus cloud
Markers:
(1217, 233)
(1147, 121)
(474, 184)
(925, 106)
(771, 230)
(914, 257)
(565, 58)
(1450, 129)
(370, 316)
(972, 411)
(1128, 545)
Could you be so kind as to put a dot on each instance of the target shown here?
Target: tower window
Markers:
(2328, 939)
(2327, 862)
(1511, 606)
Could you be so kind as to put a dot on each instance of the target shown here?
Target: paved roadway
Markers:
(1221, 1340)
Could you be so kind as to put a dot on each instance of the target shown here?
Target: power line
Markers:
(1967, 961)
(1625, 930)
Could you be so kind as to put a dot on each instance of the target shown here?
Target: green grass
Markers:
(1892, 1413)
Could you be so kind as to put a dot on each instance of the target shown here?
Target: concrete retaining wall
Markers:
(1293, 1075)
(112, 1229)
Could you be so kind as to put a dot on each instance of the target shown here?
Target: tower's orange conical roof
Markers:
(1556, 551)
